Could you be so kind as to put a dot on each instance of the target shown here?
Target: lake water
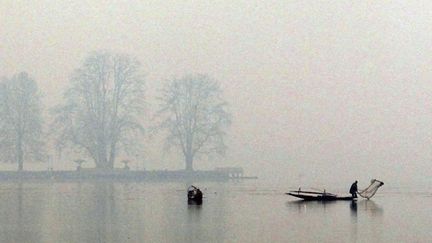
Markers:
(231, 212)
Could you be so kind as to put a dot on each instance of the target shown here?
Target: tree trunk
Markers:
(112, 155)
(103, 161)
(20, 162)
(189, 155)
(189, 162)
(19, 154)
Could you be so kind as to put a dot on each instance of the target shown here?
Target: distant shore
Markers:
(122, 175)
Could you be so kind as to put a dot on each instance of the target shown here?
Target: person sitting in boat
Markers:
(198, 193)
(191, 191)
(195, 194)
(353, 190)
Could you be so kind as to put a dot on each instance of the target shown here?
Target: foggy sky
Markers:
(319, 91)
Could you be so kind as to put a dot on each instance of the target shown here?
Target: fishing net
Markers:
(371, 189)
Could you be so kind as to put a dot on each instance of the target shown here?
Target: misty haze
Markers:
(203, 121)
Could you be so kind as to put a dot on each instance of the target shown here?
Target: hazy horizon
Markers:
(318, 92)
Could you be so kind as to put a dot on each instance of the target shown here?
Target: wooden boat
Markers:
(194, 195)
(325, 196)
(318, 196)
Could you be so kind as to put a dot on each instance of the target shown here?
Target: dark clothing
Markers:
(199, 194)
(353, 190)
(194, 193)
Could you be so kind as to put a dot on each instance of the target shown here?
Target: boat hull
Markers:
(319, 197)
(194, 201)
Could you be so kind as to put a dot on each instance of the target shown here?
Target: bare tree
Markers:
(195, 116)
(20, 120)
(103, 104)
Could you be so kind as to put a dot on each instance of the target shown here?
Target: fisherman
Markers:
(192, 191)
(199, 193)
(353, 190)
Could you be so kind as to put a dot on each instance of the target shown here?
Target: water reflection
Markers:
(371, 207)
(82, 213)
(368, 206)
(354, 221)
(353, 207)
(107, 211)
(102, 213)
(20, 210)
(193, 222)
(304, 206)
(194, 227)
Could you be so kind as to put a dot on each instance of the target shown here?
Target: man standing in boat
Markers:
(353, 190)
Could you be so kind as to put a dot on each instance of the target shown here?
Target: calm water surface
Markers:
(231, 212)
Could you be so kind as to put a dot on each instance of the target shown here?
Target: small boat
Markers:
(368, 193)
(194, 195)
(318, 196)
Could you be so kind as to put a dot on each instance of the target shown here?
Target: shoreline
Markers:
(121, 175)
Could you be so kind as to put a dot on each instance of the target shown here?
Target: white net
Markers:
(371, 189)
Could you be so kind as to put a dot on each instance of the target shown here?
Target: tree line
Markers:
(102, 113)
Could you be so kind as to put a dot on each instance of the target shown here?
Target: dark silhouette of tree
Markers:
(103, 105)
(20, 120)
(194, 114)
